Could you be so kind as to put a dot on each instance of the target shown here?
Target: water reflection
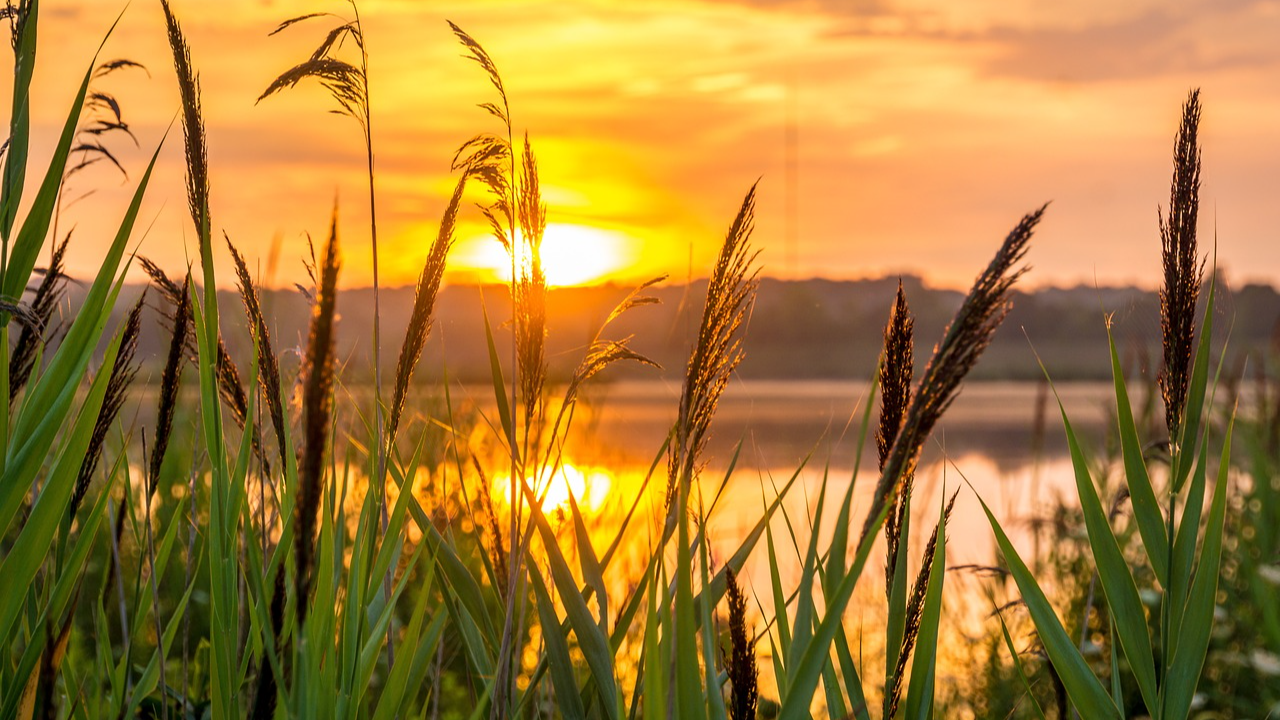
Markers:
(589, 486)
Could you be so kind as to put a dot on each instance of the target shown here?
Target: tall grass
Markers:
(1166, 667)
(365, 580)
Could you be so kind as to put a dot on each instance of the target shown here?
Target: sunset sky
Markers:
(924, 129)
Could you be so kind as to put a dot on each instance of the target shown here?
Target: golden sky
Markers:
(924, 129)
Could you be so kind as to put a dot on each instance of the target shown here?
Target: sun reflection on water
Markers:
(589, 486)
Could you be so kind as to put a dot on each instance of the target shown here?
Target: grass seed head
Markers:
(48, 294)
(268, 365)
(317, 410)
(123, 371)
(1183, 267)
(968, 335)
(896, 370)
(717, 351)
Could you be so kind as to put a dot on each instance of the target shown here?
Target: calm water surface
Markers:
(999, 436)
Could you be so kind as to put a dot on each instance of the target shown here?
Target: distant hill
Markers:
(799, 329)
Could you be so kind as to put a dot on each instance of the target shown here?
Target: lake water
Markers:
(1000, 436)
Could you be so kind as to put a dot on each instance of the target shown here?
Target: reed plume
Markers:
(123, 371)
(477, 54)
(424, 303)
(196, 149)
(347, 84)
(718, 350)
(48, 294)
(170, 380)
(603, 352)
(740, 662)
(1183, 267)
(896, 370)
(966, 337)
(915, 610)
(268, 364)
(103, 118)
(530, 289)
(317, 399)
(227, 375)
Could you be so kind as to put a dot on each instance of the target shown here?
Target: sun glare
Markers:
(571, 255)
(589, 486)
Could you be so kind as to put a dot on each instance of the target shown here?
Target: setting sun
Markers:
(571, 255)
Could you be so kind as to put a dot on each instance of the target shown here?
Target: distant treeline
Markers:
(806, 329)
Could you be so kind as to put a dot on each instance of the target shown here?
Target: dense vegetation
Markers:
(273, 545)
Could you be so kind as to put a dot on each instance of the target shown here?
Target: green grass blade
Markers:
(779, 609)
(50, 397)
(1146, 508)
(1197, 622)
(1017, 666)
(803, 628)
(1184, 546)
(500, 391)
(35, 228)
(688, 688)
(562, 676)
(56, 608)
(591, 640)
(1117, 580)
(920, 686)
(592, 571)
(805, 676)
(715, 699)
(26, 556)
(1082, 686)
(1117, 687)
(15, 166)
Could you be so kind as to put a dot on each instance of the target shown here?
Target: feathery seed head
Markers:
(48, 294)
(123, 371)
(718, 349)
(896, 369)
(424, 302)
(170, 381)
(740, 663)
(1183, 267)
(268, 365)
(968, 335)
(192, 126)
(317, 397)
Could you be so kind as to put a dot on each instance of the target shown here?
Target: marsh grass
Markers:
(383, 583)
